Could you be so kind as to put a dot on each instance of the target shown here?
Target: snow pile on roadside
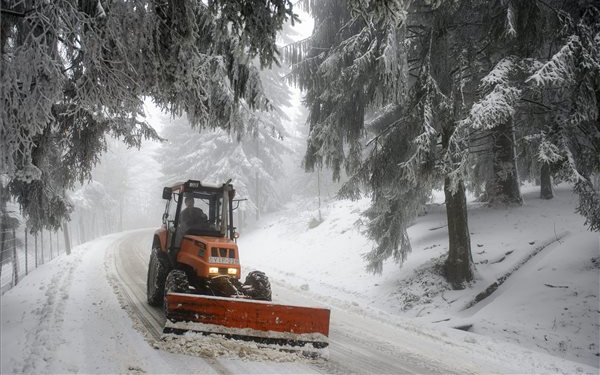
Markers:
(212, 346)
(546, 259)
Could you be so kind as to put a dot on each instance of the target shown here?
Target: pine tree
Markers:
(363, 65)
(465, 66)
(538, 104)
(535, 30)
(510, 44)
(74, 72)
(253, 160)
(572, 75)
(94, 210)
(347, 64)
(132, 179)
(214, 157)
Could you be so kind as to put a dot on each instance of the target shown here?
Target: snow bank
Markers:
(548, 304)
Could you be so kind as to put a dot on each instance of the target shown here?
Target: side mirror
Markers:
(167, 192)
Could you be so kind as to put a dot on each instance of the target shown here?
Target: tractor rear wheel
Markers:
(155, 284)
(257, 286)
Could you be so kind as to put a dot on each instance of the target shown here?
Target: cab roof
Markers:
(196, 185)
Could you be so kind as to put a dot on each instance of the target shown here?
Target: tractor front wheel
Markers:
(155, 284)
(257, 286)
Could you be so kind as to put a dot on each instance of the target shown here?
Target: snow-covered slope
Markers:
(66, 316)
(548, 303)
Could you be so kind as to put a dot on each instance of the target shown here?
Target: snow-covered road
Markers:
(86, 313)
(357, 344)
(67, 318)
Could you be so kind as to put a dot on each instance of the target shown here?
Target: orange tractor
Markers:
(195, 273)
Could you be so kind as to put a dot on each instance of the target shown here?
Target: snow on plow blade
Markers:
(243, 319)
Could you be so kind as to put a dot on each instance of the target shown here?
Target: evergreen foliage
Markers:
(446, 87)
(253, 160)
(364, 66)
(572, 75)
(538, 92)
(76, 71)
(347, 64)
(214, 157)
(132, 180)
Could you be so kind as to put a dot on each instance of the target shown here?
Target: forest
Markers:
(403, 98)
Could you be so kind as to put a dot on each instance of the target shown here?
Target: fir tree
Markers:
(465, 84)
(537, 105)
(74, 72)
(534, 30)
(572, 75)
(347, 64)
(364, 64)
(253, 160)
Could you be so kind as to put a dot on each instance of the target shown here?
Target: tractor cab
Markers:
(198, 209)
(197, 234)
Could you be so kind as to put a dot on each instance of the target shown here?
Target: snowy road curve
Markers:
(86, 313)
(358, 343)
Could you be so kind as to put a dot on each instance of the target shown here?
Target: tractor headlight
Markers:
(213, 270)
(232, 271)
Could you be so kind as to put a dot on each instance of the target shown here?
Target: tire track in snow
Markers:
(150, 325)
(44, 340)
(359, 341)
(121, 269)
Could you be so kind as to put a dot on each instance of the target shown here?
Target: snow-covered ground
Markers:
(549, 304)
(66, 316)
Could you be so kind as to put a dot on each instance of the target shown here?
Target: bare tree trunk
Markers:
(319, 192)
(458, 266)
(546, 182)
(15, 260)
(92, 228)
(121, 214)
(506, 179)
(3, 223)
(2, 242)
(106, 221)
(95, 229)
(42, 244)
(50, 235)
(67, 239)
(81, 230)
(26, 256)
(36, 250)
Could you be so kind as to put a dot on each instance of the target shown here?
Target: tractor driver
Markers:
(192, 217)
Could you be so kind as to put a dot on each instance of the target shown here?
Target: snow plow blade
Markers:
(244, 319)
